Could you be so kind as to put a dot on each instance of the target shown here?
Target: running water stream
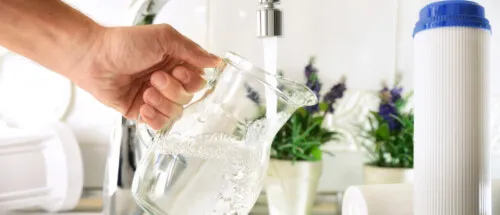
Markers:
(270, 45)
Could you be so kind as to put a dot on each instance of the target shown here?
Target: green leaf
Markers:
(383, 131)
(285, 146)
(316, 153)
(373, 114)
(323, 106)
(408, 95)
(400, 104)
(306, 133)
(372, 124)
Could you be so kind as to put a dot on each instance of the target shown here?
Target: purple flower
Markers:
(313, 83)
(312, 109)
(310, 69)
(315, 86)
(388, 111)
(396, 94)
(336, 92)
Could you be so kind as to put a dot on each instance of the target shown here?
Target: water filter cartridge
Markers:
(452, 108)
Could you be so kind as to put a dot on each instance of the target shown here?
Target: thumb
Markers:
(188, 51)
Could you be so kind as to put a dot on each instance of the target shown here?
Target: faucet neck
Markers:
(144, 11)
(269, 19)
(268, 4)
(269, 1)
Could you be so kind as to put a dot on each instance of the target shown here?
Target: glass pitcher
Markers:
(213, 159)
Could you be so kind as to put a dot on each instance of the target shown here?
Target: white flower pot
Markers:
(291, 187)
(384, 175)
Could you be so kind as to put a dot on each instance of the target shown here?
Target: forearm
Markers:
(48, 32)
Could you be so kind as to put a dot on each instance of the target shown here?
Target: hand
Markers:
(152, 70)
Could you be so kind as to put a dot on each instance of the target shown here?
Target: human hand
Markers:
(152, 70)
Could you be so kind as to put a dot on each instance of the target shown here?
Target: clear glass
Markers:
(213, 159)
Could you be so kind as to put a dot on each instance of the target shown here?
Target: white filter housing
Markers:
(452, 110)
(40, 168)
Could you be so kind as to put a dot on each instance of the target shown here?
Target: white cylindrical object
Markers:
(380, 199)
(43, 168)
(391, 199)
(291, 187)
(452, 99)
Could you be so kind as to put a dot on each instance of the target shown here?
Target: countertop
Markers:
(91, 204)
(67, 213)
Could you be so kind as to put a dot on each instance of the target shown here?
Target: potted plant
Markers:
(296, 155)
(390, 134)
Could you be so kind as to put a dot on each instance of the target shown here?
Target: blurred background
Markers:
(367, 42)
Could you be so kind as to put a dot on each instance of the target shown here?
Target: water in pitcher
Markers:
(220, 178)
(214, 158)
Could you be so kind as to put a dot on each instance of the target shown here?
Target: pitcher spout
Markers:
(297, 94)
(286, 91)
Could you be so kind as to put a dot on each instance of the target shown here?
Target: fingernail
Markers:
(159, 80)
(202, 85)
(181, 75)
(149, 112)
(216, 59)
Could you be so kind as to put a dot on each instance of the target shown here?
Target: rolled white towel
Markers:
(392, 199)
(380, 199)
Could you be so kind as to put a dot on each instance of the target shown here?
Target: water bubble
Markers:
(238, 175)
(202, 119)
(237, 166)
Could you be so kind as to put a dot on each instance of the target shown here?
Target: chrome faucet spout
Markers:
(269, 19)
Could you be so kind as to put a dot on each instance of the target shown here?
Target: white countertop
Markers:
(91, 204)
(67, 213)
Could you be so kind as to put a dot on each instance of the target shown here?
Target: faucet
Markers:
(131, 150)
(143, 12)
(269, 19)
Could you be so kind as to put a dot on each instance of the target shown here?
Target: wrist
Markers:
(82, 51)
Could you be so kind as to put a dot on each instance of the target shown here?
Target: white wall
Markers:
(364, 39)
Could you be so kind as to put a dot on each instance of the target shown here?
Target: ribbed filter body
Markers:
(452, 110)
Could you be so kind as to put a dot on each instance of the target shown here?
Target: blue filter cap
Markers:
(452, 13)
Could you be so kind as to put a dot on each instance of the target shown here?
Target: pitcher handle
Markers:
(146, 134)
